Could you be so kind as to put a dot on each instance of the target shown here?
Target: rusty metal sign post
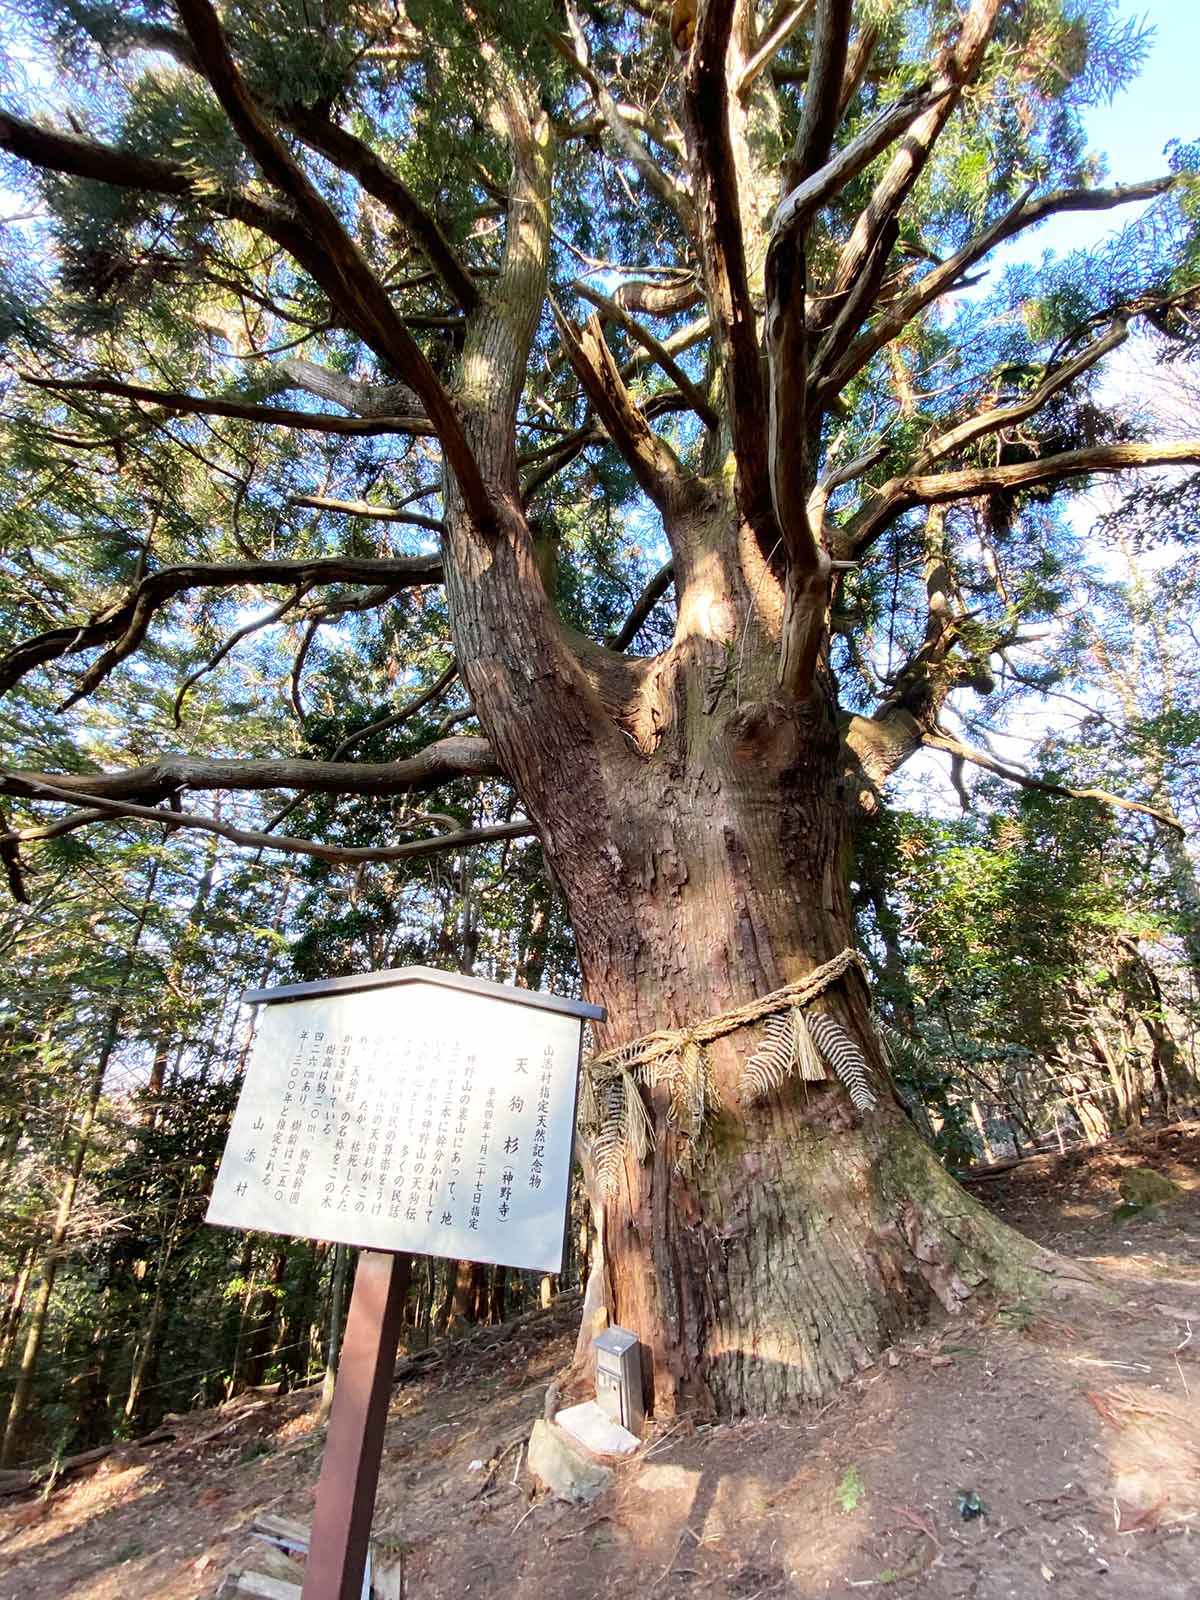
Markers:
(341, 1529)
(404, 1112)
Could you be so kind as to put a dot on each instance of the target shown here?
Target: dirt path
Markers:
(1077, 1426)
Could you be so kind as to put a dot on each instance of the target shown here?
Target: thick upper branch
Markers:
(961, 65)
(901, 494)
(460, 756)
(722, 231)
(823, 93)
(1026, 212)
(247, 410)
(817, 188)
(978, 427)
(356, 157)
(650, 458)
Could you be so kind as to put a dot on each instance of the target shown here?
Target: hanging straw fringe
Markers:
(787, 1049)
(613, 1115)
(846, 1059)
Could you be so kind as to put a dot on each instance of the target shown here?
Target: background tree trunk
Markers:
(26, 1372)
(333, 1334)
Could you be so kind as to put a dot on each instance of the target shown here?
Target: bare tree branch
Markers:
(319, 612)
(784, 30)
(461, 756)
(940, 740)
(901, 494)
(234, 639)
(363, 508)
(362, 399)
(642, 607)
(612, 311)
(306, 644)
(659, 299)
(861, 52)
(1024, 213)
(127, 620)
(251, 839)
(357, 158)
(1001, 416)
(393, 720)
(817, 188)
(205, 406)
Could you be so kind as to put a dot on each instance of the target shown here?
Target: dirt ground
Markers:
(1075, 1424)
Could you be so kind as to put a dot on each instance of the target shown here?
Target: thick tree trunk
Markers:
(810, 1236)
(701, 837)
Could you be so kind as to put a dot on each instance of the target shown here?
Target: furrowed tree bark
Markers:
(810, 1236)
(707, 867)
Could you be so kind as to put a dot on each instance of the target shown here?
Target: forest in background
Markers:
(1031, 922)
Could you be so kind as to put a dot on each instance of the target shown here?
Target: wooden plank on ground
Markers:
(388, 1582)
(257, 1586)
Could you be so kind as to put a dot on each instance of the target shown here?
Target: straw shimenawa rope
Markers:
(613, 1116)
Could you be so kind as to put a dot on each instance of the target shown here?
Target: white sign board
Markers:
(432, 1115)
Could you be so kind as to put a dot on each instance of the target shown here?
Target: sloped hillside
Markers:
(1074, 1423)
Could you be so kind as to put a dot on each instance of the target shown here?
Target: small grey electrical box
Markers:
(619, 1377)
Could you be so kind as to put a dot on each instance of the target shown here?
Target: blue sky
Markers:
(1160, 105)
(1133, 132)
